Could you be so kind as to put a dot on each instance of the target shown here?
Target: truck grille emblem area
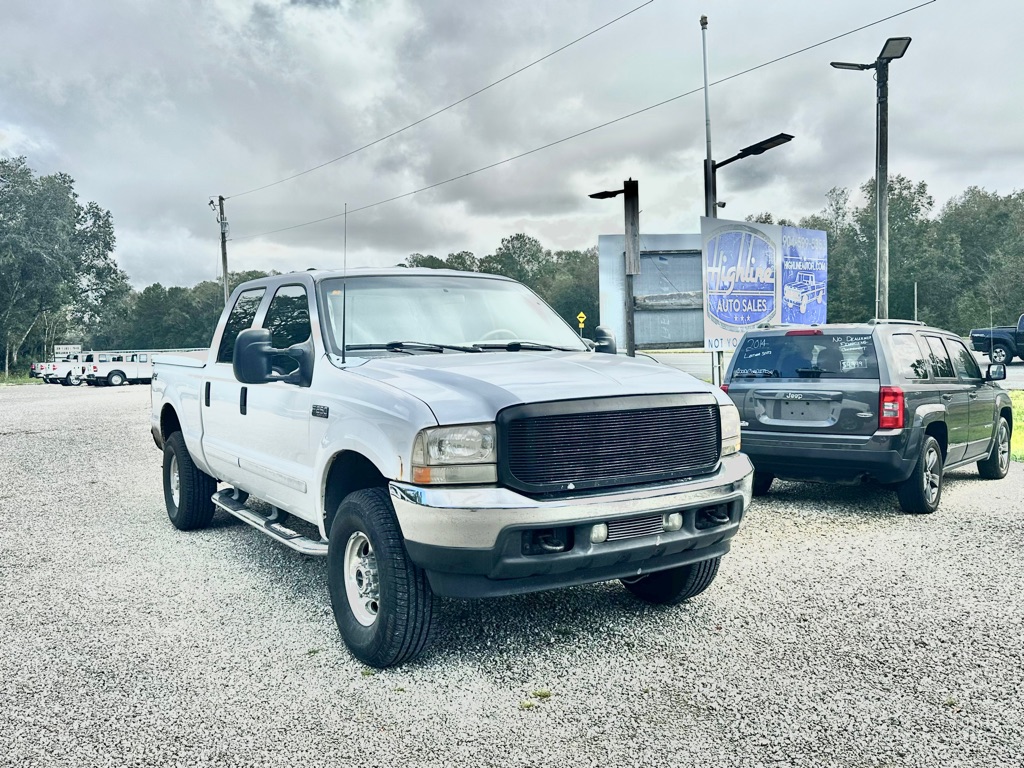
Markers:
(552, 452)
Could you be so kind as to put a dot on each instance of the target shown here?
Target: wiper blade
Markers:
(405, 346)
(517, 345)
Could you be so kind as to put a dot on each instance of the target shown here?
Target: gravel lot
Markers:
(839, 632)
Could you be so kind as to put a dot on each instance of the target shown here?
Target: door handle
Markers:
(947, 398)
(243, 400)
(207, 397)
(973, 395)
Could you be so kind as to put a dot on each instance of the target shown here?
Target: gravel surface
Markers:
(839, 633)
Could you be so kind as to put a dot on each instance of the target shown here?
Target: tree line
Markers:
(59, 281)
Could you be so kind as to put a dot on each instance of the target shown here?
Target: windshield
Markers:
(441, 310)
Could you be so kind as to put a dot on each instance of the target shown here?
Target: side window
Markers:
(910, 360)
(964, 362)
(941, 363)
(103, 358)
(288, 322)
(143, 358)
(241, 317)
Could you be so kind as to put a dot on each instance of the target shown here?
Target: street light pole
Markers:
(631, 206)
(710, 209)
(894, 48)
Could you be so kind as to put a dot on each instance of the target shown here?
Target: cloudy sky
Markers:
(155, 106)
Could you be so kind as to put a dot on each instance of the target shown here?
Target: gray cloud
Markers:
(155, 106)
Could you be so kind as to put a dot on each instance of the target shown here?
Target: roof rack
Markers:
(887, 321)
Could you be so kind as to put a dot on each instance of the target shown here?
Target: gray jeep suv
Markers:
(889, 401)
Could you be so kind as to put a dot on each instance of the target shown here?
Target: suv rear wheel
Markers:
(920, 493)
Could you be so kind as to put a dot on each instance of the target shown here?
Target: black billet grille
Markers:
(595, 447)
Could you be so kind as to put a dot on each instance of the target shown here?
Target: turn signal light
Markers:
(891, 408)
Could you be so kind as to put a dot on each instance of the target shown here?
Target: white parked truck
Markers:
(117, 368)
(445, 433)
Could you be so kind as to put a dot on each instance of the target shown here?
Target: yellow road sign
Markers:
(581, 317)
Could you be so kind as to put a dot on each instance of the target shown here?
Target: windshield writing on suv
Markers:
(818, 356)
(441, 310)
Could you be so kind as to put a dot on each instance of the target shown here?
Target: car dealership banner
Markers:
(760, 273)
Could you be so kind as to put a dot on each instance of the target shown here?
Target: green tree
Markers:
(56, 258)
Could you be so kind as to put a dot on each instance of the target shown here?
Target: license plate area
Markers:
(803, 410)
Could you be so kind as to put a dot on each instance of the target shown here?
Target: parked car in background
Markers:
(1001, 343)
(115, 369)
(889, 401)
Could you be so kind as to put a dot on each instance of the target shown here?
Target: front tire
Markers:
(382, 601)
(997, 464)
(674, 585)
(920, 493)
(187, 489)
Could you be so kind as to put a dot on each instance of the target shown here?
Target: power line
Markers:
(588, 130)
(443, 109)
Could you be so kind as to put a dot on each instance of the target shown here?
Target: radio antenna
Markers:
(344, 284)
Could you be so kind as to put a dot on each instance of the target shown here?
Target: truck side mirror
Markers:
(605, 340)
(251, 361)
(995, 372)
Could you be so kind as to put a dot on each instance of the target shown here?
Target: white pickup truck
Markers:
(117, 368)
(444, 433)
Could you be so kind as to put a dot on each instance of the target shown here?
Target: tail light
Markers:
(95, 369)
(891, 408)
(725, 387)
(805, 332)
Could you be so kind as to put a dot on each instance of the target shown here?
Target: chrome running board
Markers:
(270, 526)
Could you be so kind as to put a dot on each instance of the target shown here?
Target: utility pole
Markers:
(223, 245)
(882, 190)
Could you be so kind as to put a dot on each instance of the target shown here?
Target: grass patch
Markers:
(526, 705)
(542, 693)
(19, 378)
(367, 672)
(1017, 438)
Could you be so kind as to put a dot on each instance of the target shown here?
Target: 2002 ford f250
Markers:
(446, 433)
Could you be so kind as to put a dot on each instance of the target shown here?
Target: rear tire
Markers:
(382, 602)
(115, 379)
(674, 585)
(997, 464)
(762, 482)
(187, 489)
(920, 493)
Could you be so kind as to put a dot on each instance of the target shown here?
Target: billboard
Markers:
(760, 273)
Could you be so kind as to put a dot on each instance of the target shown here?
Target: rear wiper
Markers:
(517, 345)
(406, 346)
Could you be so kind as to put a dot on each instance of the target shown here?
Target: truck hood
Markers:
(466, 388)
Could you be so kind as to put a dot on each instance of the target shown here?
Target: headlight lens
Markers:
(730, 417)
(462, 454)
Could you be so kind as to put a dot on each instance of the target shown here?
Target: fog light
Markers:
(673, 521)
(599, 533)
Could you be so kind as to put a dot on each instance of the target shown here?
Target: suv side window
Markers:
(288, 322)
(910, 360)
(941, 364)
(964, 362)
(241, 317)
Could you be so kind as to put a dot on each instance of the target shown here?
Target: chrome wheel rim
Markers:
(932, 475)
(362, 586)
(998, 355)
(1003, 447)
(175, 481)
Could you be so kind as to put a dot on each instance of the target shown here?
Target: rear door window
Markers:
(942, 366)
(241, 317)
(909, 358)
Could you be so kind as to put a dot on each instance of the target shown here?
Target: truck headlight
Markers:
(730, 418)
(465, 453)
